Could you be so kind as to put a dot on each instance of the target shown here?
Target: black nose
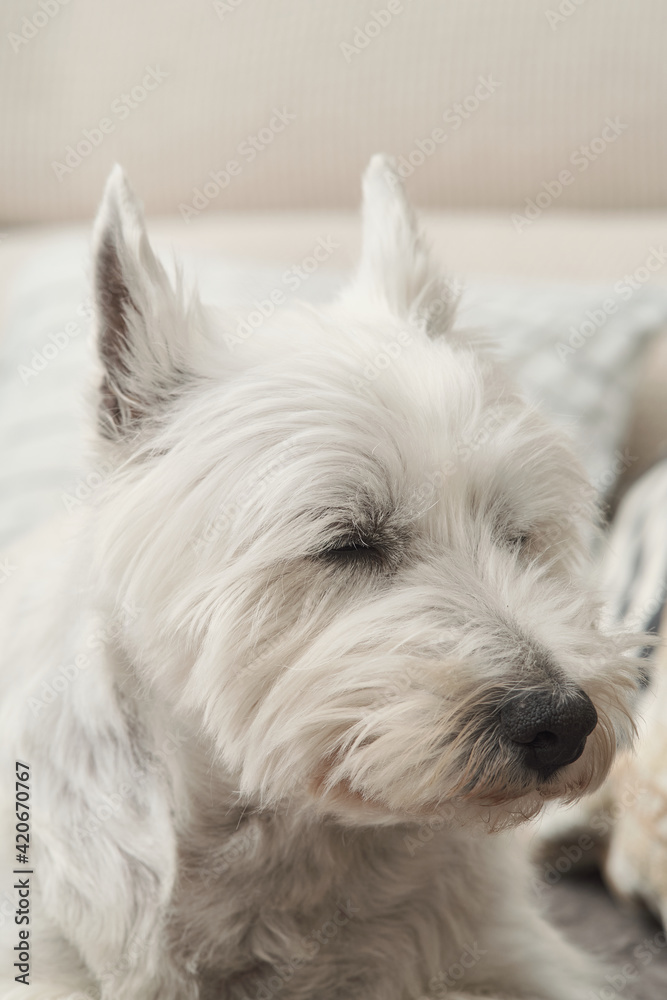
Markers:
(550, 726)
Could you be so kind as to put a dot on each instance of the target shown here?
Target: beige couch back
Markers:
(254, 104)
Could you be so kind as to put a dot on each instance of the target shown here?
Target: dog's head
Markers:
(358, 553)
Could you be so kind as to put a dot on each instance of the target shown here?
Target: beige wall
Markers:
(553, 81)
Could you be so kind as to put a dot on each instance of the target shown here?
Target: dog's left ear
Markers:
(141, 320)
(396, 268)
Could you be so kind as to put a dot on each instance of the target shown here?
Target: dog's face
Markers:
(357, 553)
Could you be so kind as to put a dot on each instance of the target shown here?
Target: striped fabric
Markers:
(635, 571)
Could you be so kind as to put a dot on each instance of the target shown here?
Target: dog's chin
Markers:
(489, 805)
(510, 803)
(486, 811)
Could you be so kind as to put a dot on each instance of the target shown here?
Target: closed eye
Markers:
(369, 541)
(351, 545)
(359, 551)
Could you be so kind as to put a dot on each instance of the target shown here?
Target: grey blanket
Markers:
(631, 942)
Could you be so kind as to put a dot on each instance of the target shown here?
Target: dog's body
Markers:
(323, 631)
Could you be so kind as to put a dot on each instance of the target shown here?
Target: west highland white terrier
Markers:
(320, 637)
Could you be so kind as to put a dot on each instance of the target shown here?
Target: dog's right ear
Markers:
(396, 268)
(141, 320)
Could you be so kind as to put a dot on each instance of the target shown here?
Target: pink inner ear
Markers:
(340, 793)
(342, 798)
(113, 303)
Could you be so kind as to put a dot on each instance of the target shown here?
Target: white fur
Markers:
(269, 739)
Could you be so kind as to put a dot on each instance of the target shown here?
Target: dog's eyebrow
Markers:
(362, 516)
(367, 525)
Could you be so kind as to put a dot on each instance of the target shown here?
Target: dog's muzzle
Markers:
(550, 727)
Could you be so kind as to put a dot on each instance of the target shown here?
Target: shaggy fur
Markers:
(319, 563)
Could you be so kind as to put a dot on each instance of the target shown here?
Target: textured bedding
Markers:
(631, 942)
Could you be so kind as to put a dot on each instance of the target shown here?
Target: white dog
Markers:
(319, 636)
